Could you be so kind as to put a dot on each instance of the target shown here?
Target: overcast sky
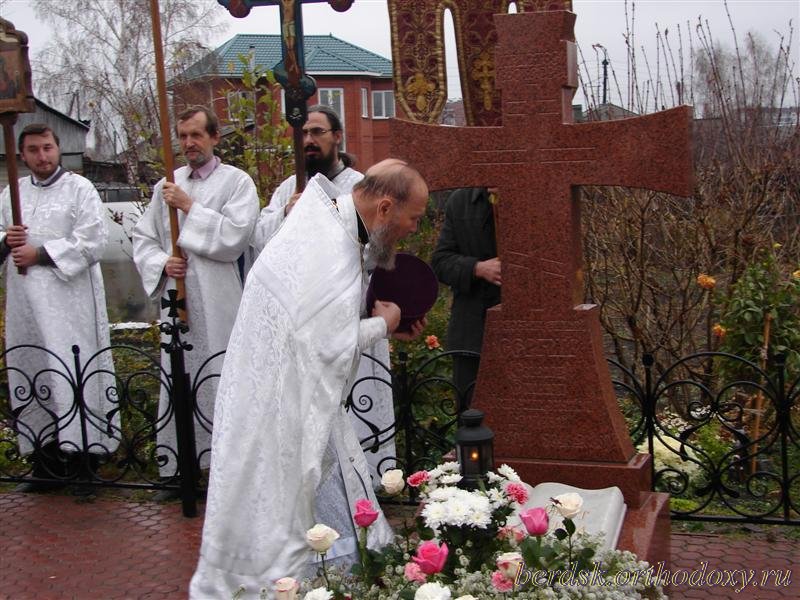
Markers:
(601, 22)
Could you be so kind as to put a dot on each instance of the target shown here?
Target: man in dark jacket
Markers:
(466, 259)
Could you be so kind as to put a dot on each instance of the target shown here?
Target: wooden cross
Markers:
(543, 379)
(290, 72)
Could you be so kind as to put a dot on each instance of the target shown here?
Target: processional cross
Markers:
(290, 72)
(15, 97)
(543, 379)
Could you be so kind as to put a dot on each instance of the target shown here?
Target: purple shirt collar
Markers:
(206, 170)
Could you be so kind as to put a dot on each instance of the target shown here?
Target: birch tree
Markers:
(100, 64)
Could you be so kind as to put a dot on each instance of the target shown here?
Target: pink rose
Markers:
(509, 564)
(510, 533)
(418, 478)
(502, 583)
(414, 573)
(431, 557)
(535, 520)
(365, 513)
(517, 492)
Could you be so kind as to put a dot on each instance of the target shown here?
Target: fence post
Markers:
(402, 399)
(783, 414)
(649, 411)
(182, 403)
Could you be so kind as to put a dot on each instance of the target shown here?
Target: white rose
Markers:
(508, 564)
(286, 588)
(393, 482)
(319, 593)
(432, 591)
(569, 505)
(321, 537)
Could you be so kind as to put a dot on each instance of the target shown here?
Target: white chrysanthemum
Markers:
(434, 514)
(493, 477)
(458, 511)
(442, 494)
(319, 593)
(450, 467)
(432, 591)
(451, 479)
(434, 474)
(509, 473)
(496, 498)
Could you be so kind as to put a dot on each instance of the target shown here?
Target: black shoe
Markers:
(35, 487)
(167, 496)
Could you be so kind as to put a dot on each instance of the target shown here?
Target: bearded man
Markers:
(373, 407)
(58, 303)
(280, 422)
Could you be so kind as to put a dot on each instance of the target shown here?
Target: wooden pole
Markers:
(166, 143)
(759, 400)
(13, 175)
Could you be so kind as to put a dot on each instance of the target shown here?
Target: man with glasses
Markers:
(372, 397)
(322, 136)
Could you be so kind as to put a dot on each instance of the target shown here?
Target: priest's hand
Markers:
(488, 270)
(25, 255)
(175, 197)
(175, 267)
(390, 313)
(292, 201)
(16, 236)
(416, 330)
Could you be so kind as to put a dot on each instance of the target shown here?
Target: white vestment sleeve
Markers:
(272, 214)
(222, 235)
(370, 331)
(85, 244)
(148, 254)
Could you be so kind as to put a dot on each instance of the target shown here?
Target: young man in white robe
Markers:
(217, 208)
(280, 423)
(372, 412)
(58, 303)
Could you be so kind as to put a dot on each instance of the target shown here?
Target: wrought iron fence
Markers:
(723, 431)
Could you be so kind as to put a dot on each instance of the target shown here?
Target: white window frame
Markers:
(237, 94)
(379, 104)
(365, 103)
(324, 96)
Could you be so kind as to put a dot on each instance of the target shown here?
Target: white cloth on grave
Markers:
(291, 361)
(372, 413)
(213, 235)
(56, 307)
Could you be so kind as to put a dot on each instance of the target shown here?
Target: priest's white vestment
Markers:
(372, 413)
(56, 307)
(279, 412)
(213, 235)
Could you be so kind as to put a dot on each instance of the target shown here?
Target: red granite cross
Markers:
(543, 381)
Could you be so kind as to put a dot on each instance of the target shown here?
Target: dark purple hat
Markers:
(411, 285)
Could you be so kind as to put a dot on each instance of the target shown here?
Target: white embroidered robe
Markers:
(373, 411)
(213, 235)
(291, 361)
(57, 307)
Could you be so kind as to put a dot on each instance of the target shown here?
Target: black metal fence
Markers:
(723, 432)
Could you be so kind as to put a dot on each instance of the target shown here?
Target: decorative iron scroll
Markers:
(418, 59)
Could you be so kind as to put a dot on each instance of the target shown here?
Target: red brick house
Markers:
(355, 82)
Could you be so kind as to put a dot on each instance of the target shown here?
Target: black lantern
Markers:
(475, 450)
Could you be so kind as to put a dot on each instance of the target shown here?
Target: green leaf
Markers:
(569, 525)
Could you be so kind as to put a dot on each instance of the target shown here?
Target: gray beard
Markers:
(380, 252)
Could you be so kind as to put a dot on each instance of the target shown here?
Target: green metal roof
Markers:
(324, 54)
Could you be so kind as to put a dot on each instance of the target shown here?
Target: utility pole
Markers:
(605, 70)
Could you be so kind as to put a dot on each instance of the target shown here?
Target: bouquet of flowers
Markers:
(463, 548)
